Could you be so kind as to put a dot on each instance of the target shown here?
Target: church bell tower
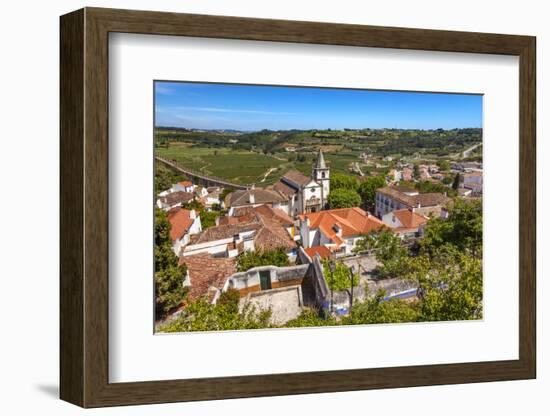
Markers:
(321, 175)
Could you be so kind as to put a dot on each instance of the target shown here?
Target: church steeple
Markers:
(320, 163)
(321, 174)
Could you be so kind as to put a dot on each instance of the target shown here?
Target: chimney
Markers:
(192, 214)
(251, 198)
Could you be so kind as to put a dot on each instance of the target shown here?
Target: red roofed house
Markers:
(405, 222)
(322, 251)
(255, 230)
(183, 186)
(183, 224)
(337, 229)
(207, 275)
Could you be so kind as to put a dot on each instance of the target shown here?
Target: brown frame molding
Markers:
(84, 207)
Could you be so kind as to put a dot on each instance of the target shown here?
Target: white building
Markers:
(183, 224)
(306, 194)
(405, 222)
(295, 192)
(257, 232)
(473, 181)
(183, 186)
(392, 198)
(169, 200)
(337, 229)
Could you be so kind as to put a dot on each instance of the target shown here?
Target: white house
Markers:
(254, 197)
(183, 186)
(392, 198)
(295, 192)
(405, 222)
(183, 224)
(473, 181)
(306, 194)
(337, 229)
(257, 232)
(168, 201)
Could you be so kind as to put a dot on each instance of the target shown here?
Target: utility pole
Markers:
(332, 267)
(351, 274)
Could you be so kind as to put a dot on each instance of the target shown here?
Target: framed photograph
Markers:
(255, 207)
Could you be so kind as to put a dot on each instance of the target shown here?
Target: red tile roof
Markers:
(322, 251)
(180, 222)
(177, 197)
(295, 177)
(272, 236)
(283, 188)
(274, 214)
(261, 196)
(412, 201)
(268, 224)
(410, 219)
(206, 272)
(186, 183)
(351, 221)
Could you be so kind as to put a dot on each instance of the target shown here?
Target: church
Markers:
(295, 193)
(306, 194)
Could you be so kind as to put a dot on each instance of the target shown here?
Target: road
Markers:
(466, 153)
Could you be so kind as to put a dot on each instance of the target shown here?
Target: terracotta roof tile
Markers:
(275, 214)
(283, 188)
(412, 201)
(268, 224)
(295, 177)
(410, 219)
(222, 232)
(261, 196)
(273, 236)
(351, 221)
(177, 197)
(180, 222)
(322, 251)
(206, 272)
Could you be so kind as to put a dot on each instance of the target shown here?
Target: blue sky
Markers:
(252, 107)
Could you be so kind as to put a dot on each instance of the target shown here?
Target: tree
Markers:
(342, 181)
(339, 280)
(311, 317)
(367, 190)
(456, 181)
(193, 204)
(416, 172)
(444, 165)
(386, 247)
(249, 259)
(463, 228)
(427, 187)
(165, 177)
(208, 218)
(343, 198)
(378, 310)
(224, 193)
(201, 315)
(169, 275)
(450, 284)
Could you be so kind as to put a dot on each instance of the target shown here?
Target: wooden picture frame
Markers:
(84, 207)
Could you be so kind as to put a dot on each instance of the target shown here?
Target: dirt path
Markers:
(268, 173)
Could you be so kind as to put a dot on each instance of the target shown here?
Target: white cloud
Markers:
(231, 110)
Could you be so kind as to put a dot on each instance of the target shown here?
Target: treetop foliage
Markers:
(249, 259)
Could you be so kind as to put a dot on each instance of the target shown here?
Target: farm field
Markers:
(238, 166)
(244, 166)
